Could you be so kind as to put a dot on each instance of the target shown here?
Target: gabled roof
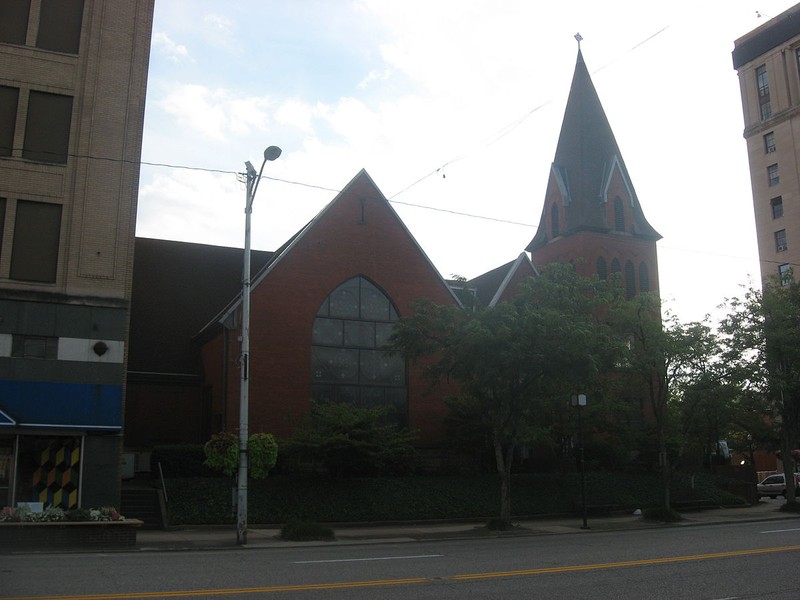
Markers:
(586, 158)
(491, 287)
(361, 178)
(177, 288)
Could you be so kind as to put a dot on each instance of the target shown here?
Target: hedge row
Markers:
(284, 499)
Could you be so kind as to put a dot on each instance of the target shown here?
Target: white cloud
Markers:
(173, 51)
(375, 75)
(170, 201)
(215, 113)
(297, 113)
(220, 31)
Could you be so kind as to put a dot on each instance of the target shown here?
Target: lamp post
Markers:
(252, 181)
(579, 400)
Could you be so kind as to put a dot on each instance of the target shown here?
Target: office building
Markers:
(73, 76)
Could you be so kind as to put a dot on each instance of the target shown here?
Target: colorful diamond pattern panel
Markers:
(55, 481)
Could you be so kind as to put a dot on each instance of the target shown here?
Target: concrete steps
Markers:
(143, 503)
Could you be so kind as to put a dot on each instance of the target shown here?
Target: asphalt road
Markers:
(743, 560)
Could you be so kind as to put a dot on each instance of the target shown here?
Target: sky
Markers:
(454, 108)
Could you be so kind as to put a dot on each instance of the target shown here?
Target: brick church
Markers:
(323, 304)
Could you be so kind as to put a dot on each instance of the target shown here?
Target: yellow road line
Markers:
(627, 563)
(385, 582)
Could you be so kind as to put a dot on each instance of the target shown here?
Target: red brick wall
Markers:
(585, 247)
(346, 240)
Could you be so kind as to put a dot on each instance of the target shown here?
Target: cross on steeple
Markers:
(579, 39)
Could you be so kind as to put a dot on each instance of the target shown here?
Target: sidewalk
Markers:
(212, 537)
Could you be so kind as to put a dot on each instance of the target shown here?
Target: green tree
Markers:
(705, 409)
(517, 362)
(661, 354)
(349, 441)
(763, 346)
(752, 428)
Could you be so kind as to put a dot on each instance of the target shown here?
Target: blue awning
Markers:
(60, 405)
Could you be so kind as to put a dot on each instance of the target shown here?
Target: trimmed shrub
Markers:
(317, 499)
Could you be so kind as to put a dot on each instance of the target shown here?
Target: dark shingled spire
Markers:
(585, 156)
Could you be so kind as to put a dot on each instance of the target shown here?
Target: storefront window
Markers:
(48, 471)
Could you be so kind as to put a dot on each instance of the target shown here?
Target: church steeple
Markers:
(589, 191)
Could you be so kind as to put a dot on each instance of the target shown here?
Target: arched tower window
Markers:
(602, 268)
(630, 281)
(615, 268)
(347, 363)
(619, 214)
(554, 224)
(644, 278)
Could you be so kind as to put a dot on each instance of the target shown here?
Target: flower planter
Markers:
(76, 535)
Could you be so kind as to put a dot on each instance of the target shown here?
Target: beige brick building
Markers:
(73, 76)
(768, 63)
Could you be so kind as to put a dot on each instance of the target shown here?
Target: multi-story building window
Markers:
(9, 98)
(777, 207)
(47, 127)
(37, 234)
(797, 56)
(59, 25)
(780, 241)
(762, 81)
(769, 142)
(785, 273)
(772, 175)
(14, 21)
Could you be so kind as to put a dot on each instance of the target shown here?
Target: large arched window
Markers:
(347, 363)
(615, 268)
(554, 224)
(644, 278)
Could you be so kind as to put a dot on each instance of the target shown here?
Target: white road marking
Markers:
(338, 560)
(781, 530)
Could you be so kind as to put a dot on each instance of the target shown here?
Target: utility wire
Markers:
(513, 125)
(409, 204)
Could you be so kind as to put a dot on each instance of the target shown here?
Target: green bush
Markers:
(222, 453)
(344, 441)
(317, 499)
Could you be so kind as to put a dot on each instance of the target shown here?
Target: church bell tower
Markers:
(591, 215)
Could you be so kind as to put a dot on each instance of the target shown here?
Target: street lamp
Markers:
(252, 181)
(579, 400)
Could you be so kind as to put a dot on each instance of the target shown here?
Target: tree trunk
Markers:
(664, 460)
(658, 391)
(789, 467)
(504, 470)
